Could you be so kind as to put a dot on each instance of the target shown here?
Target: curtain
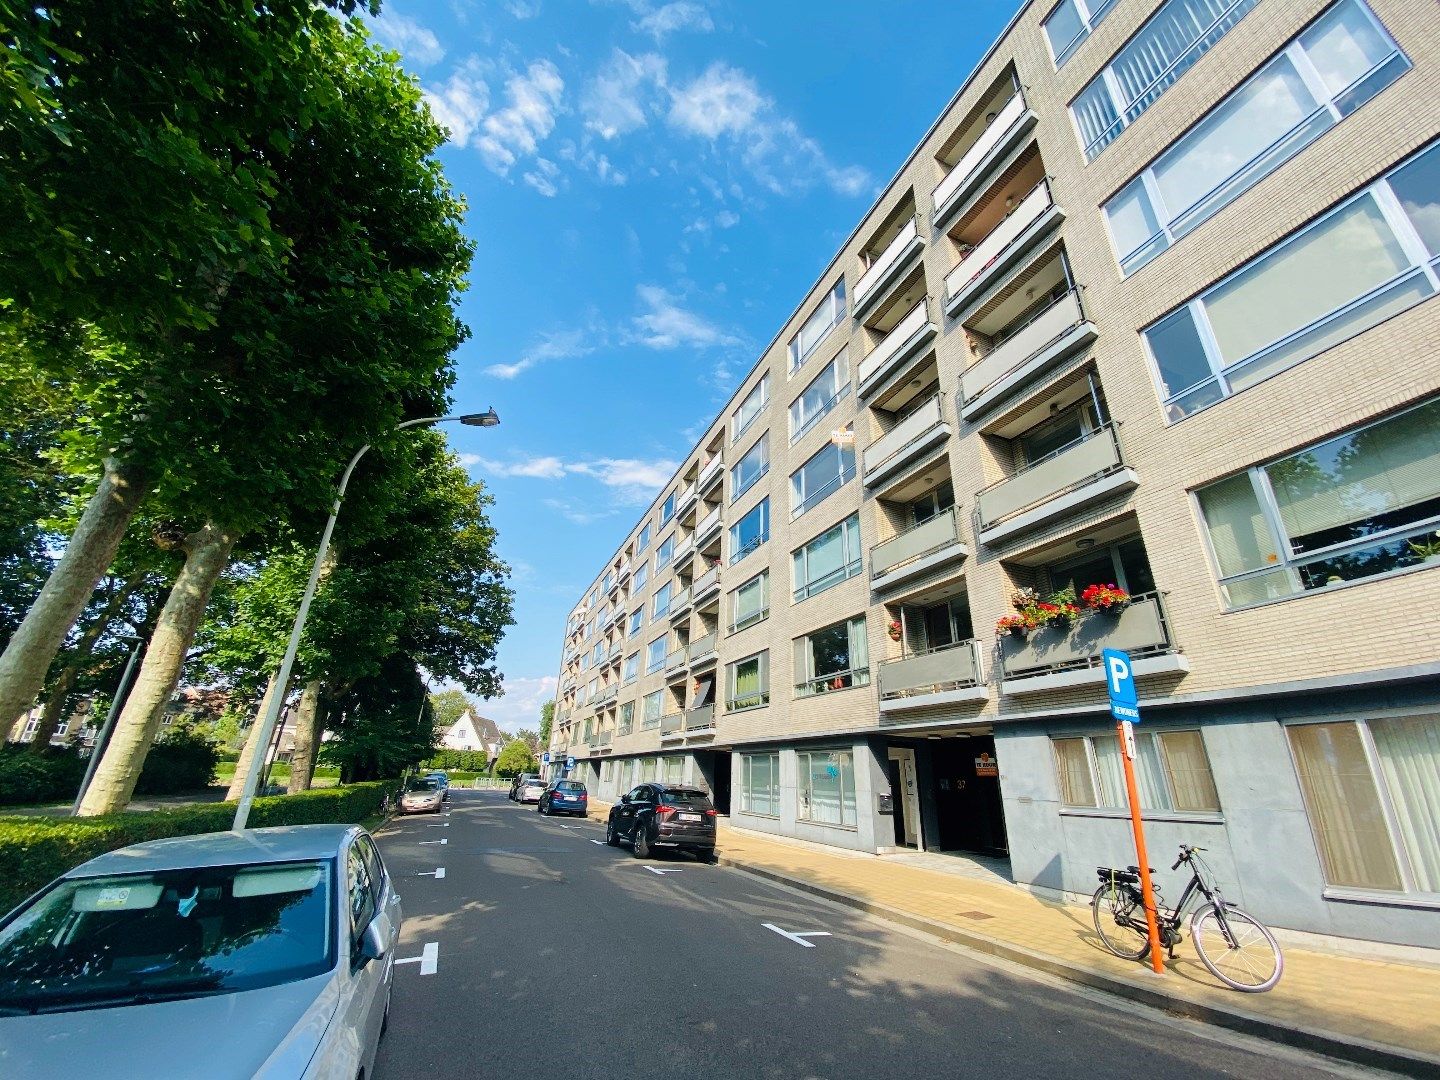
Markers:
(1077, 787)
(1409, 751)
(1188, 768)
(859, 646)
(1238, 532)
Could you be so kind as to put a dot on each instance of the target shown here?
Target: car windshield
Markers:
(693, 799)
(134, 938)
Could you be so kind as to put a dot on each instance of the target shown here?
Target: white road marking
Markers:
(437, 873)
(600, 842)
(570, 827)
(429, 958)
(445, 841)
(798, 938)
(665, 869)
(436, 825)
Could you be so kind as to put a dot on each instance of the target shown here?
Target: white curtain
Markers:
(1409, 752)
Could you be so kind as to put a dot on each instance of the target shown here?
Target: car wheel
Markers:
(610, 837)
(642, 842)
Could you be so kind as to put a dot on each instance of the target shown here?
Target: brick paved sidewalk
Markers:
(1323, 1002)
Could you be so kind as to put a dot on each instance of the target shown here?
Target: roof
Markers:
(284, 843)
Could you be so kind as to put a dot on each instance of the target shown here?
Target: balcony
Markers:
(917, 551)
(888, 265)
(616, 650)
(675, 661)
(710, 472)
(905, 339)
(702, 651)
(1031, 350)
(913, 437)
(671, 724)
(623, 572)
(680, 605)
(1061, 657)
(705, 584)
(1002, 248)
(649, 723)
(708, 527)
(700, 721)
(686, 499)
(1084, 472)
(949, 675)
(603, 739)
(683, 551)
(1011, 122)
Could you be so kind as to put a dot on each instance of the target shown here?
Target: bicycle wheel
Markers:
(1120, 922)
(1238, 948)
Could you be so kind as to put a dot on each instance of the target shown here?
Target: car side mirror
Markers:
(625, 800)
(372, 942)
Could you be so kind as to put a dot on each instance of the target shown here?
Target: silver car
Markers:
(266, 953)
(530, 790)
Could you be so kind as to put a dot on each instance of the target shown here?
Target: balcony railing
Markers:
(1011, 120)
(836, 680)
(929, 536)
(685, 498)
(680, 604)
(950, 667)
(603, 739)
(649, 723)
(1089, 458)
(888, 263)
(1029, 349)
(705, 583)
(1000, 248)
(701, 719)
(747, 701)
(616, 650)
(671, 723)
(710, 472)
(701, 648)
(684, 551)
(623, 572)
(675, 661)
(924, 428)
(897, 346)
(710, 523)
(1141, 629)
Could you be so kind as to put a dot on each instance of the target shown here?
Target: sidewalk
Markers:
(1378, 1013)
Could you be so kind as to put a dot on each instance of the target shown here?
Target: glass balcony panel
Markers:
(938, 532)
(1025, 343)
(1141, 629)
(1069, 467)
(959, 179)
(897, 344)
(904, 434)
(703, 647)
(998, 241)
(948, 668)
(700, 719)
(671, 723)
(906, 240)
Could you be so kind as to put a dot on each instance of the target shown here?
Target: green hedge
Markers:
(29, 777)
(473, 760)
(34, 851)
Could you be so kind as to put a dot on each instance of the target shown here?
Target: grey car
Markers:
(266, 953)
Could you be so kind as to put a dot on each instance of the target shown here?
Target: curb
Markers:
(1316, 1040)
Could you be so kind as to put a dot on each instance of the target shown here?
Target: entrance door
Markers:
(720, 782)
(906, 791)
(967, 795)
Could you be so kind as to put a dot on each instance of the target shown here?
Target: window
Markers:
(643, 540)
(748, 681)
(1163, 49)
(750, 468)
(655, 655)
(662, 599)
(1340, 62)
(832, 557)
(751, 408)
(822, 320)
(1372, 791)
(826, 786)
(823, 394)
(627, 718)
(1349, 508)
(642, 577)
(1072, 22)
(1172, 772)
(750, 603)
(637, 620)
(674, 771)
(750, 532)
(594, 689)
(760, 784)
(632, 667)
(648, 768)
(667, 508)
(653, 703)
(821, 476)
(1369, 258)
(607, 770)
(835, 658)
(665, 553)
(609, 581)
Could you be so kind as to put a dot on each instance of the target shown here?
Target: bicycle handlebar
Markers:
(1186, 850)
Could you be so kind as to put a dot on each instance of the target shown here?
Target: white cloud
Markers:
(727, 219)
(667, 325)
(579, 513)
(538, 468)
(529, 116)
(722, 100)
(627, 472)
(460, 103)
(556, 345)
(621, 94)
(519, 707)
(545, 178)
(523, 9)
(417, 43)
(681, 15)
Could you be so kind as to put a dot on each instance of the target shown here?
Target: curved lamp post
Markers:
(282, 679)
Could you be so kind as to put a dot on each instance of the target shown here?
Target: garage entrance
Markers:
(965, 786)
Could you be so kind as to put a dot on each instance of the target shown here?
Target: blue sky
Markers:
(653, 186)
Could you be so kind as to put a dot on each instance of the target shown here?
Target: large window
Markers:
(673, 771)
(665, 553)
(750, 603)
(1163, 49)
(750, 531)
(632, 667)
(750, 468)
(835, 658)
(642, 577)
(627, 718)
(751, 408)
(653, 703)
(655, 655)
(1340, 62)
(662, 600)
(821, 476)
(643, 540)
(832, 557)
(821, 321)
(1372, 790)
(1071, 22)
(1172, 772)
(748, 683)
(637, 620)
(1372, 256)
(826, 786)
(1352, 507)
(667, 508)
(824, 392)
(597, 655)
(760, 784)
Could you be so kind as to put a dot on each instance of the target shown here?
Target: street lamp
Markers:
(488, 418)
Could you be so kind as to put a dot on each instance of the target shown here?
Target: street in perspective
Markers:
(650, 538)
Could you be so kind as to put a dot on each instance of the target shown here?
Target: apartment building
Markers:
(1139, 349)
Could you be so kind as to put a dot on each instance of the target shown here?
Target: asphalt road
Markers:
(553, 955)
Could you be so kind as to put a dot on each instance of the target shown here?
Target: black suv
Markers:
(655, 816)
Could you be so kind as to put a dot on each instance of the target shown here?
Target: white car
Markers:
(530, 790)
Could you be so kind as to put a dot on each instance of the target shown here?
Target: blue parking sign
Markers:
(569, 762)
(1120, 685)
(545, 757)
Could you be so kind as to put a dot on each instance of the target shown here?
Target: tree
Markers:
(515, 758)
(383, 726)
(530, 738)
(547, 720)
(448, 706)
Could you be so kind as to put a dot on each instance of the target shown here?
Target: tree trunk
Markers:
(87, 556)
(309, 723)
(247, 752)
(206, 553)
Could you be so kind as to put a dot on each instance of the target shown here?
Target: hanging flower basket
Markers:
(894, 630)
(1105, 598)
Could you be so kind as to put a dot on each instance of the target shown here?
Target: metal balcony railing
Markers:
(948, 667)
(929, 536)
(1088, 458)
(1141, 629)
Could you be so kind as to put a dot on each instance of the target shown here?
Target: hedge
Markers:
(35, 851)
(28, 777)
(474, 760)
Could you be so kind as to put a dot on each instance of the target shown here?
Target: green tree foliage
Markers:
(448, 706)
(515, 758)
(547, 720)
(384, 724)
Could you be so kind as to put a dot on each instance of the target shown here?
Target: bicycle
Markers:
(1237, 948)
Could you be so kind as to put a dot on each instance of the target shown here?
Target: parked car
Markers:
(422, 796)
(266, 953)
(656, 816)
(442, 779)
(530, 790)
(564, 797)
(518, 782)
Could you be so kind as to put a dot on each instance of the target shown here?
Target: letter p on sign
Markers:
(1120, 684)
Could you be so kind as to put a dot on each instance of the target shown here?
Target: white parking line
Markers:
(429, 958)
(600, 842)
(798, 938)
(665, 869)
(437, 873)
(445, 841)
(437, 825)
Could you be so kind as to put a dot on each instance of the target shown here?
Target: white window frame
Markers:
(804, 790)
(739, 426)
(632, 668)
(839, 365)
(761, 613)
(650, 718)
(762, 445)
(661, 606)
(1108, 809)
(665, 553)
(667, 508)
(637, 621)
(1091, 14)
(849, 568)
(652, 666)
(828, 313)
(763, 509)
(732, 671)
(772, 789)
(801, 502)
